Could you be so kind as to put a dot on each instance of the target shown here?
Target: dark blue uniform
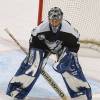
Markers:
(62, 41)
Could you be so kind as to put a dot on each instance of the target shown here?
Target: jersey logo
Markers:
(54, 46)
(41, 37)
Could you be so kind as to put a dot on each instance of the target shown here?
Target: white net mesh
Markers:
(82, 14)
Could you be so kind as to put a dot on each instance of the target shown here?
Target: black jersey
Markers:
(44, 38)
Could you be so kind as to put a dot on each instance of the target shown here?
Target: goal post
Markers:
(40, 9)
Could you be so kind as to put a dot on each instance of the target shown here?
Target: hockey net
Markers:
(82, 14)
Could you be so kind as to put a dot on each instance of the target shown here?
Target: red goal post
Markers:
(40, 10)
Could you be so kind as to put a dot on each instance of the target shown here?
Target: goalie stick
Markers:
(43, 72)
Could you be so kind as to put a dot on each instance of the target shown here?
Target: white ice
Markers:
(10, 62)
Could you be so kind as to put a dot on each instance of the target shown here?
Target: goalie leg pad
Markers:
(26, 76)
(73, 76)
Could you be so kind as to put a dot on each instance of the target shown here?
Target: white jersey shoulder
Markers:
(68, 28)
(43, 27)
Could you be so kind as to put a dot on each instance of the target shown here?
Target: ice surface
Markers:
(10, 62)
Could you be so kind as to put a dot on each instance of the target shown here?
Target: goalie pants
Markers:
(30, 69)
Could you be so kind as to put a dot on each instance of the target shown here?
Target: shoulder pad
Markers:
(68, 28)
(44, 26)
(68, 22)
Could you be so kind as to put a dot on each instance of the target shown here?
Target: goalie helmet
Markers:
(55, 13)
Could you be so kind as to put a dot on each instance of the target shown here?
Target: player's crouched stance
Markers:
(53, 36)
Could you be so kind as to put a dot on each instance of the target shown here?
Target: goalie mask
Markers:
(55, 13)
